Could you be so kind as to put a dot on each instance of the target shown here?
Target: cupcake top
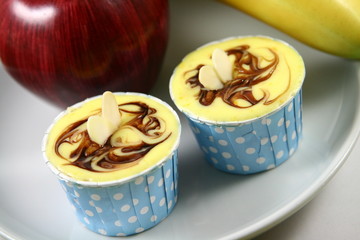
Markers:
(237, 79)
(111, 138)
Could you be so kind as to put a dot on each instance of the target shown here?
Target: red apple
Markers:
(68, 50)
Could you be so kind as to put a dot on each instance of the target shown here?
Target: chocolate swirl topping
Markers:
(247, 73)
(141, 132)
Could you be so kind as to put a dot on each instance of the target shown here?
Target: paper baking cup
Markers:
(249, 146)
(127, 206)
(253, 146)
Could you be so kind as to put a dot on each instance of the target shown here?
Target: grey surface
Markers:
(212, 205)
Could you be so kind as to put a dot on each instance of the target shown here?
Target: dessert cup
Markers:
(122, 204)
(253, 121)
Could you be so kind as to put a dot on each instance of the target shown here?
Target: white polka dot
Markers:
(292, 150)
(102, 231)
(132, 219)
(153, 218)
(151, 179)
(91, 203)
(152, 199)
(196, 130)
(172, 186)
(76, 201)
(212, 149)
(117, 223)
(64, 188)
(135, 201)
(204, 149)
(214, 160)
(274, 138)
(254, 132)
(118, 196)
(146, 189)
(95, 197)
(77, 194)
(264, 141)
(287, 124)
(170, 204)
(230, 167)
(226, 155)
(89, 213)
(139, 230)
(280, 154)
(144, 210)
(263, 121)
(99, 210)
(125, 208)
(290, 107)
(268, 121)
(211, 138)
(121, 234)
(162, 202)
(219, 130)
(69, 184)
(250, 150)
(280, 122)
(168, 172)
(223, 142)
(260, 160)
(240, 140)
(86, 220)
(245, 168)
(293, 136)
(284, 138)
(161, 182)
(230, 129)
(270, 166)
(139, 180)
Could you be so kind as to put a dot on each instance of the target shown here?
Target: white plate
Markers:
(212, 204)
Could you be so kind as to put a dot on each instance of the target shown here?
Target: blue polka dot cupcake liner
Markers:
(253, 146)
(127, 208)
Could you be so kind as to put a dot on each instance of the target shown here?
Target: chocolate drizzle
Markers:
(118, 152)
(247, 73)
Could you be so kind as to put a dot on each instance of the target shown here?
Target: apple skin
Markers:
(68, 50)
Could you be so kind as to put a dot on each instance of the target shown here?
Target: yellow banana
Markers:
(332, 26)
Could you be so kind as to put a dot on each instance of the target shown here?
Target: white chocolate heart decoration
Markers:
(222, 64)
(209, 79)
(110, 109)
(100, 128)
(215, 77)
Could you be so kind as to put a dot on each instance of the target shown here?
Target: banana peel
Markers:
(331, 26)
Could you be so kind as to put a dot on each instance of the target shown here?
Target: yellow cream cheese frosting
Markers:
(148, 133)
(265, 74)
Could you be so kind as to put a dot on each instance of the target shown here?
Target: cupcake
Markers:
(242, 97)
(116, 158)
